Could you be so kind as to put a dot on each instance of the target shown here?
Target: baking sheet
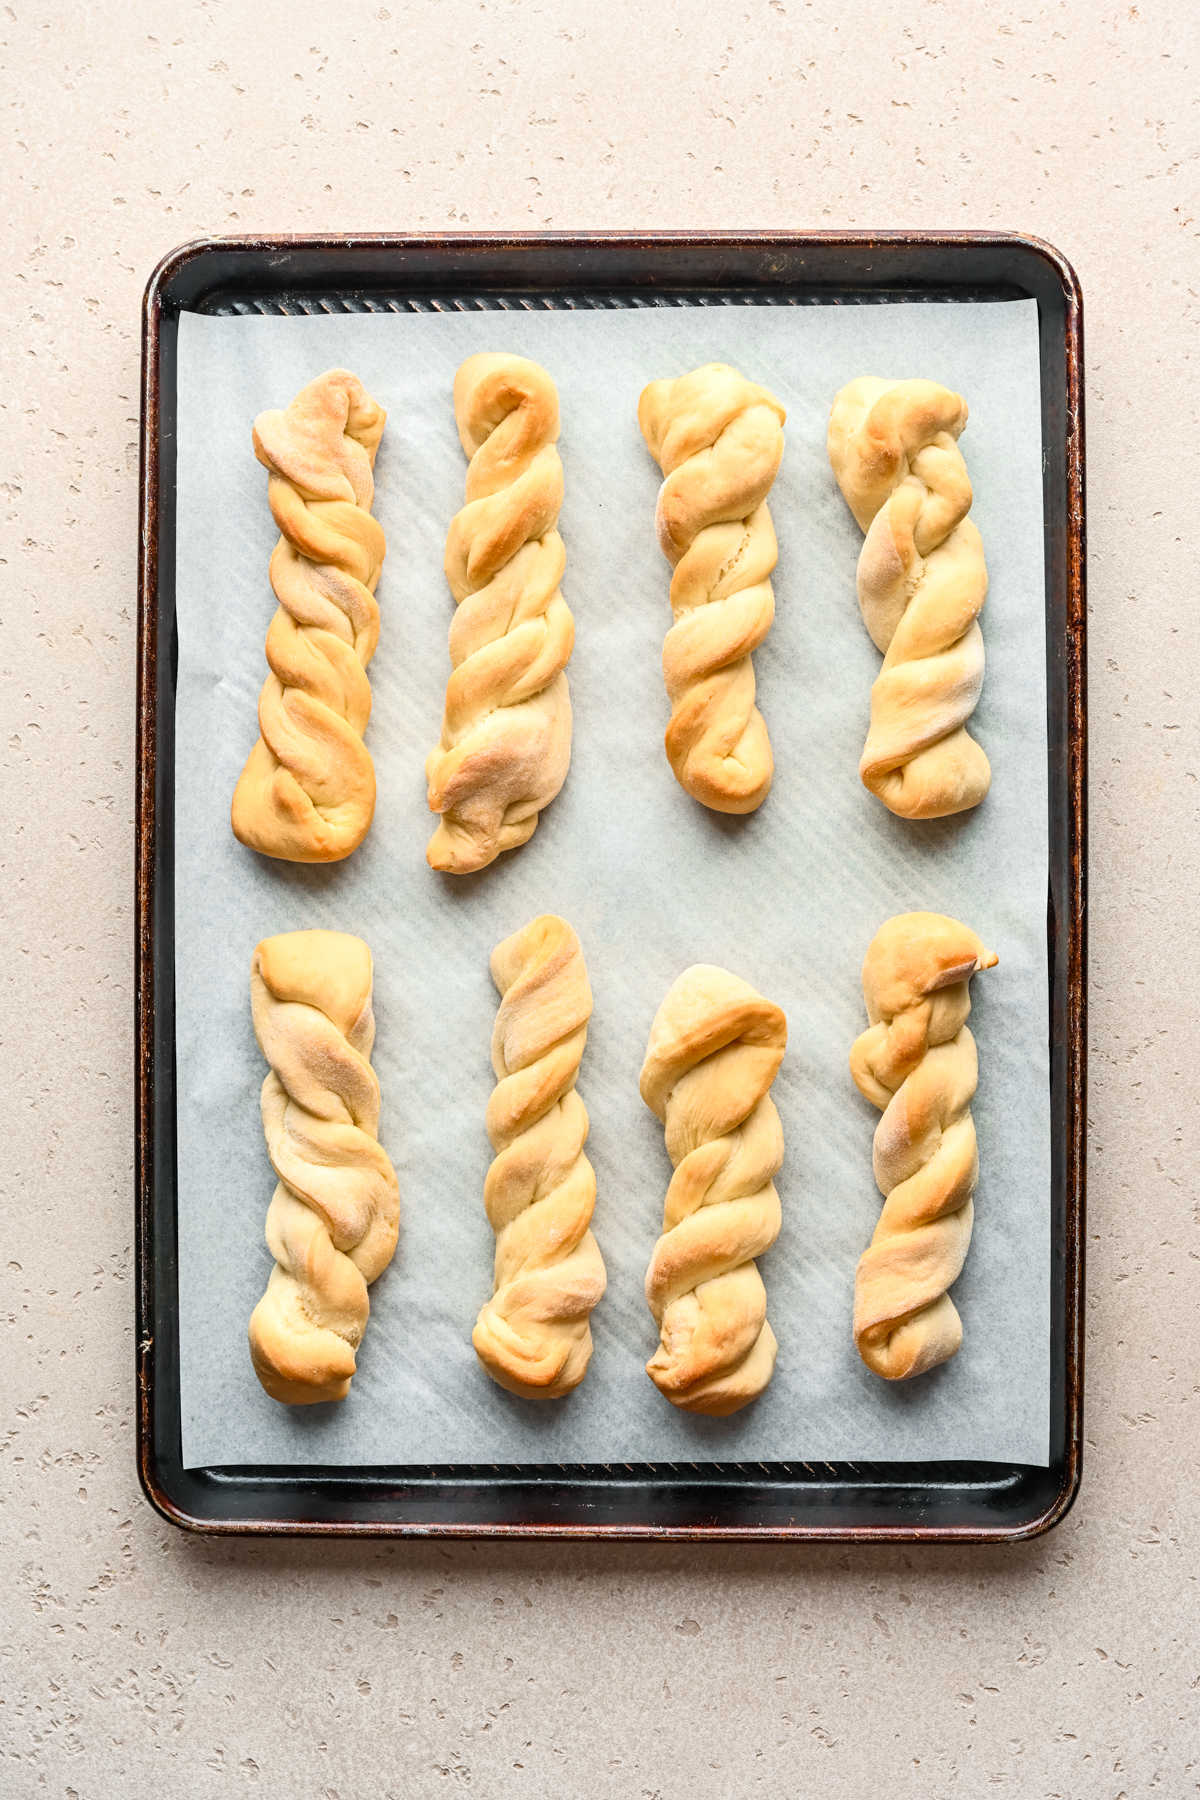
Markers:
(788, 897)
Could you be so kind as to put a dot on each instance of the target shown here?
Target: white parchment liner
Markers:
(789, 898)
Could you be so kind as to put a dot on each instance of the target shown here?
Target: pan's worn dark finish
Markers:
(929, 1501)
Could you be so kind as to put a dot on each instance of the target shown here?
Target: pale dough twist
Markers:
(715, 1048)
(917, 1063)
(922, 581)
(332, 1221)
(307, 792)
(718, 439)
(506, 730)
(534, 1335)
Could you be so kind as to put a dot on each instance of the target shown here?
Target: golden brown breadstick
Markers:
(506, 731)
(332, 1221)
(715, 1048)
(307, 792)
(917, 1063)
(922, 581)
(534, 1335)
(718, 439)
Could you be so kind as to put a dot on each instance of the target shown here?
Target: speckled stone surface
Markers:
(134, 1660)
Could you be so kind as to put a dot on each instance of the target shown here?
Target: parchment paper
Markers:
(788, 897)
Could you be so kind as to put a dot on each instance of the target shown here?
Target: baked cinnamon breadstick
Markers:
(922, 581)
(718, 439)
(715, 1048)
(332, 1221)
(534, 1335)
(307, 792)
(917, 1063)
(506, 731)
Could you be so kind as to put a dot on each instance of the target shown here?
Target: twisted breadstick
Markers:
(331, 1224)
(533, 1336)
(718, 440)
(506, 731)
(917, 1063)
(715, 1048)
(307, 792)
(921, 583)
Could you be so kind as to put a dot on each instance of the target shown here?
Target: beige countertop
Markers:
(136, 1660)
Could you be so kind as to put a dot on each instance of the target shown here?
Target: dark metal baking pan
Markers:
(850, 1501)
